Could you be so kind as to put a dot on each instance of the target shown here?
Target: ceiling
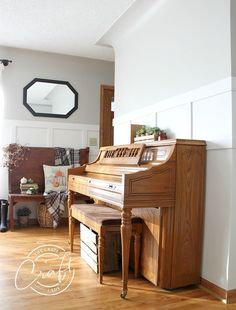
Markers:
(70, 27)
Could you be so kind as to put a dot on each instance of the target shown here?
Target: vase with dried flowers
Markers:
(13, 155)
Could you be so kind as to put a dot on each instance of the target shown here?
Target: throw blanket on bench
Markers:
(55, 202)
(66, 156)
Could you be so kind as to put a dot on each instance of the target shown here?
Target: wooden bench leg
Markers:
(137, 238)
(101, 245)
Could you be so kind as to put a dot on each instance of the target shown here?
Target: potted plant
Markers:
(147, 133)
(23, 216)
(156, 130)
(141, 131)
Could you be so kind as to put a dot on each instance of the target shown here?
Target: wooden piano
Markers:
(162, 182)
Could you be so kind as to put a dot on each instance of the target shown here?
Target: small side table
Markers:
(15, 198)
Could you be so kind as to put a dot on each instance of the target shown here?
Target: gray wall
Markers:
(85, 75)
(233, 35)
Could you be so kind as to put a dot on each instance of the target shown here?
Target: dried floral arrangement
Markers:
(13, 155)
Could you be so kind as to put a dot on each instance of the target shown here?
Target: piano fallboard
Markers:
(102, 189)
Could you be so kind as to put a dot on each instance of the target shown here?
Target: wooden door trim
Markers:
(102, 90)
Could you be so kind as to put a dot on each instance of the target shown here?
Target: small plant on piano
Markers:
(141, 131)
(150, 133)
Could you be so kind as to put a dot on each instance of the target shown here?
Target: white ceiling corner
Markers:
(70, 27)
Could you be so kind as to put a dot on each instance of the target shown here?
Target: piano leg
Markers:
(126, 231)
(71, 232)
(101, 252)
(71, 220)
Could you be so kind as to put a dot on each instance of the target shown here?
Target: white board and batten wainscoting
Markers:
(46, 134)
(205, 113)
(51, 134)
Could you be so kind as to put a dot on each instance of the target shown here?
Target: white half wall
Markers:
(173, 64)
(204, 113)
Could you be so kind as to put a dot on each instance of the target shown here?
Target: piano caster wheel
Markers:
(123, 294)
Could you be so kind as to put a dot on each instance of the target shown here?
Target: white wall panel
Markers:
(232, 256)
(176, 121)
(234, 117)
(67, 138)
(217, 217)
(204, 113)
(93, 143)
(148, 119)
(212, 120)
(32, 136)
(122, 134)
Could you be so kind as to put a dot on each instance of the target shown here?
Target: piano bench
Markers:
(102, 220)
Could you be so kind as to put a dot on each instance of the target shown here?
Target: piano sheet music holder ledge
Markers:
(168, 175)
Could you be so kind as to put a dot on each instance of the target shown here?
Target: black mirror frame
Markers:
(49, 114)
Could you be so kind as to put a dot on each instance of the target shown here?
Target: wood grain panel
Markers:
(188, 225)
(150, 242)
(154, 183)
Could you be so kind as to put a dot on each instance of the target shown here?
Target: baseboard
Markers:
(227, 297)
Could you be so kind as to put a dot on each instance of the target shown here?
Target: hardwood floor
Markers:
(84, 292)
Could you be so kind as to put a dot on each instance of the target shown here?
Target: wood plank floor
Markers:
(84, 292)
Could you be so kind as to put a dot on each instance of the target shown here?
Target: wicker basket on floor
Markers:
(44, 217)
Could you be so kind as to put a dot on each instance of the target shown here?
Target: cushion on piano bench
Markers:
(100, 214)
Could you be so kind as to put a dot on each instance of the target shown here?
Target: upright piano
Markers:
(163, 183)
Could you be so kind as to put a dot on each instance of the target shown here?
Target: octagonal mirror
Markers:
(50, 98)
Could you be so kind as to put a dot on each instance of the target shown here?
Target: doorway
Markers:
(106, 115)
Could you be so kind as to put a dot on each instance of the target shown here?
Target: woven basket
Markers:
(44, 217)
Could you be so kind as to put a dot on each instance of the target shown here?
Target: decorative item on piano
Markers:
(149, 134)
